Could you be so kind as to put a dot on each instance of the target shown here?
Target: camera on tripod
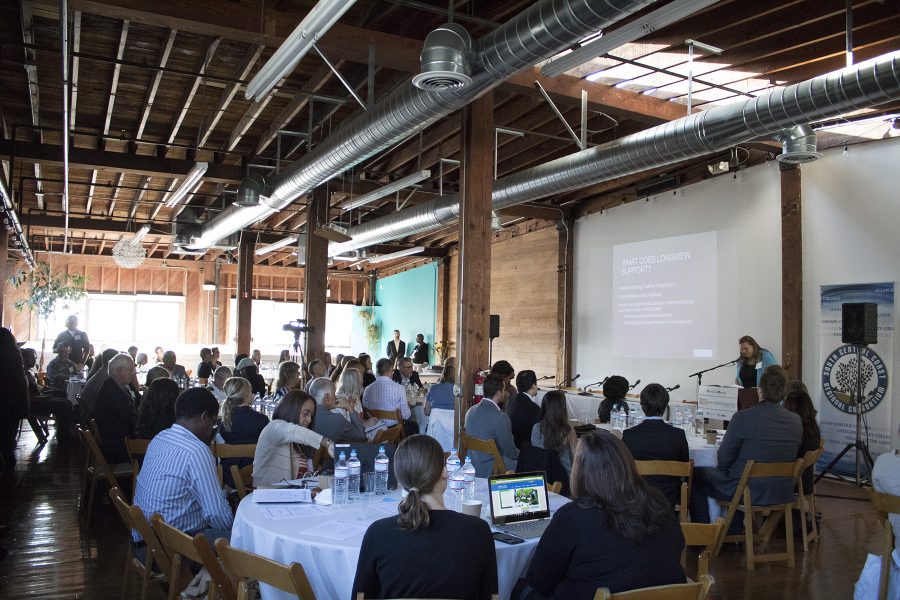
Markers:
(297, 326)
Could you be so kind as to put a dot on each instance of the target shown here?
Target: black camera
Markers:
(297, 326)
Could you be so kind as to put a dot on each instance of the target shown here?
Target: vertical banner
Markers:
(842, 365)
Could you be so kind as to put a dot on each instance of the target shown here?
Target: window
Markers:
(268, 318)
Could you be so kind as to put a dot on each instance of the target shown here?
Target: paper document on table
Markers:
(336, 530)
(281, 495)
(281, 512)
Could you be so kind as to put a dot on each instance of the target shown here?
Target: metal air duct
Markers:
(539, 32)
(798, 145)
(446, 59)
(860, 86)
(252, 188)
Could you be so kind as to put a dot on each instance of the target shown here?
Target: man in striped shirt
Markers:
(385, 394)
(178, 478)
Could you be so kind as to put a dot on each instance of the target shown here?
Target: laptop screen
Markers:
(518, 497)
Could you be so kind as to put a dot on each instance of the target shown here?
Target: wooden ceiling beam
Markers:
(114, 79)
(250, 58)
(76, 47)
(154, 82)
(119, 162)
(34, 97)
(189, 98)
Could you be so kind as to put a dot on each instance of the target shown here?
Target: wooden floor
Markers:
(52, 556)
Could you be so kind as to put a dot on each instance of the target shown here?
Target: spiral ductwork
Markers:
(544, 29)
(861, 86)
(798, 145)
(446, 59)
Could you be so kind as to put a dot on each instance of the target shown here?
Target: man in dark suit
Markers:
(762, 433)
(486, 421)
(395, 348)
(332, 425)
(523, 411)
(654, 439)
(115, 411)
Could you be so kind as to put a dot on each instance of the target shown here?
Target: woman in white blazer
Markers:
(279, 454)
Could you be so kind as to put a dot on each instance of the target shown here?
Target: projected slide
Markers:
(664, 297)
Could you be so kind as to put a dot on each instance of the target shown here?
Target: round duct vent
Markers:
(251, 189)
(446, 59)
(798, 146)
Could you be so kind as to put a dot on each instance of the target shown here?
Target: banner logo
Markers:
(839, 378)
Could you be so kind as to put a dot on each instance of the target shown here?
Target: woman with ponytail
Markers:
(238, 422)
(397, 555)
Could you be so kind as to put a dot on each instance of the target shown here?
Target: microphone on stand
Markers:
(546, 377)
(568, 382)
(673, 388)
(590, 385)
(633, 385)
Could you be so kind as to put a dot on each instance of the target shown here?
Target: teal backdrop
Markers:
(406, 301)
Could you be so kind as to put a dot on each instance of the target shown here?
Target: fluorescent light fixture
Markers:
(209, 287)
(394, 255)
(276, 245)
(388, 189)
(139, 235)
(316, 24)
(668, 14)
(188, 185)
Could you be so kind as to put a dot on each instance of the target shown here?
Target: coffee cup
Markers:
(472, 507)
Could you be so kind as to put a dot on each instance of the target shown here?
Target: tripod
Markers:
(862, 450)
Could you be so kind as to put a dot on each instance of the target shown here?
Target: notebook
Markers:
(519, 503)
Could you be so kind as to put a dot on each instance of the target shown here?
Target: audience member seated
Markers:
(115, 413)
(337, 361)
(140, 361)
(256, 356)
(797, 400)
(335, 419)
(96, 378)
(614, 390)
(238, 358)
(157, 372)
(419, 354)
(239, 423)
(158, 355)
(248, 370)
(407, 377)
(554, 435)
(176, 371)
(157, 410)
(279, 451)
(523, 411)
(39, 404)
(326, 361)
(284, 356)
(178, 476)
(762, 433)
(385, 394)
(368, 376)
(215, 356)
(13, 401)
(349, 391)
(317, 369)
(60, 368)
(486, 421)
(654, 439)
(618, 533)
(217, 384)
(132, 352)
(886, 479)
(207, 366)
(397, 557)
(441, 395)
(506, 371)
(288, 379)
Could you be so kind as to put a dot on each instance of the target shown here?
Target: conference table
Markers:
(583, 407)
(326, 540)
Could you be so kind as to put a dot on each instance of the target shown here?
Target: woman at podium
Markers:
(752, 362)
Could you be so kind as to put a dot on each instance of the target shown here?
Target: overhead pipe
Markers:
(66, 85)
(857, 87)
(537, 33)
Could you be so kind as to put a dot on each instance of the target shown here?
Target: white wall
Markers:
(745, 212)
(851, 234)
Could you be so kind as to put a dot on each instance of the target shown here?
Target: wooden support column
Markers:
(316, 281)
(4, 269)
(564, 289)
(442, 329)
(791, 273)
(474, 246)
(244, 291)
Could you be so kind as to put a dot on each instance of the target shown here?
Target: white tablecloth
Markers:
(440, 427)
(330, 564)
(584, 408)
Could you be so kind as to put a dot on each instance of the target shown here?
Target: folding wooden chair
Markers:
(702, 534)
(97, 466)
(181, 546)
(136, 449)
(391, 435)
(772, 513)
(806, 503)
(469, 443)
(672, 468)
(145, 569)
(247, 566)
(884, 505)
(389, 415)
(362, 596)
(555, 487)
(221, 451)
(697, 590)
(243, 480)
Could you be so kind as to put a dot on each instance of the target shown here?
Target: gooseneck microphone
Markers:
(673, 388)
(633, 385)
(568, 382)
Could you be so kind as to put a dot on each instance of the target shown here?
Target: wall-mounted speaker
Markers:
(495, 326)
(859, 323)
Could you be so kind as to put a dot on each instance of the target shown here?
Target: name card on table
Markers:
(262, 495)
(718, 401)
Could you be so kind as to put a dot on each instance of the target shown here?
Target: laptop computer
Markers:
(519, 503)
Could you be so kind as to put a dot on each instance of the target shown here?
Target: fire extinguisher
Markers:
(479, 387)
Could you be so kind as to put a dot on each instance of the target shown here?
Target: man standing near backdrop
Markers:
(396, 348)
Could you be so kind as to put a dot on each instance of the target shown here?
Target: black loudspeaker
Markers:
(495, 326)
(859, 323)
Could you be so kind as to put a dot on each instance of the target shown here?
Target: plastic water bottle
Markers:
(453, 463)
(621, 419)
(638, 416)
(381, 472)
(455, 488)
(354, 467)
(468, 472)
(677, 419)
(341, 477)
(699, 423)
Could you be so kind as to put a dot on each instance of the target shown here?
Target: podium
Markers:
(722, 401)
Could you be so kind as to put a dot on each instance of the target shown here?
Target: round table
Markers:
(330, 564)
